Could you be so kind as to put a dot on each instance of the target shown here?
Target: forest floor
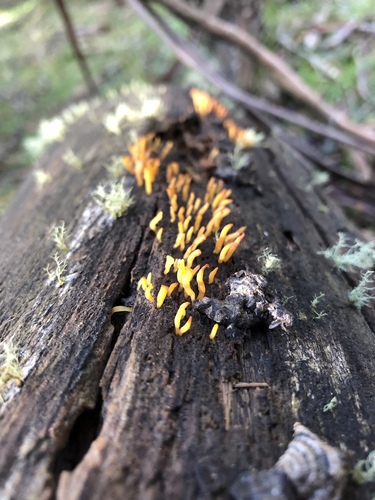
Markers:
(329, 44)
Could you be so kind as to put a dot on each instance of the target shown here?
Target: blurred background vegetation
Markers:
(330, 43)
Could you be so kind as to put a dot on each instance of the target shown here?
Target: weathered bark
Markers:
(137, 412)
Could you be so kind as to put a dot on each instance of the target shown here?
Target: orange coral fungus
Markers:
(204, 104)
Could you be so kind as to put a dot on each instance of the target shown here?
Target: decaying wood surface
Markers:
(131, 410)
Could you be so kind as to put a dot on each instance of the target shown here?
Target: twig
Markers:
(188, 55)
(249, 385)
(281, 71)
(91, 85)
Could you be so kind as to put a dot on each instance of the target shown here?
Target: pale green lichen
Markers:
(60, 237)
(318, 179)
(70, 158)
(49, 131)
(360, 296)
(114, 199)
(9, 366)
(331, 405)
(314, 305)
(149, 107)
(346, 255)
(364, 470)
(239, 159)
(41, 177)
(270, 261)
(251, 137)
(115, 167)
(57, 273)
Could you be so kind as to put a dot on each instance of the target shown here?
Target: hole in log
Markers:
(85, 430)
(291, 243)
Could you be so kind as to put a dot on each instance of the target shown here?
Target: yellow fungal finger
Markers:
(166, 149)
(233, 247)
(172, 213)
(186, 326)
(192, 256)
(138, 168)
(181, 179)
(203, 209)
(186, 189)
(163, 292)
(118, 309)
(190, 202)
(158, 217)
(236, 234)
(180, 214)
(189, 234)
(148, 293)
(200, 282)
(198, 222)
(174, 202)
(180, 241)
(148, 181)
(197, 204)
(159, 234)
(198, 241)
(224, 252)
(214, 331)
(219, 197)
(172, 171)
(221, 239)
(128, 164)
(171, 288)
(195, 270)
(149, 278)
(181, 313)
(186, 223)
(169, 261)
(185, 278)
(212, 275)
(142, 283)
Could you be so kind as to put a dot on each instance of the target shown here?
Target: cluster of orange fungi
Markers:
(197, 220)
(204, 104)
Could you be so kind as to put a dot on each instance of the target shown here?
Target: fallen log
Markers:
(119, 406)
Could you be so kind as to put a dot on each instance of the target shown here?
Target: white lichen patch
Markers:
(70, 158)
(41, 177)
(362, 295)
(114, 199)
(57, 270)
(10, 369)
(269, 261)
(115, 167)
(60, 237)
(346, 255)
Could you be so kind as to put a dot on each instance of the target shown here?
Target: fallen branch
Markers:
(188, 55)
(91, 85)
(280, 70)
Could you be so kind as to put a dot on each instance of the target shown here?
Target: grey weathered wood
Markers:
(140, 412)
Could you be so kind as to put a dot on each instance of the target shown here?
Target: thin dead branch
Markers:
(188, 55)
(68, 25)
